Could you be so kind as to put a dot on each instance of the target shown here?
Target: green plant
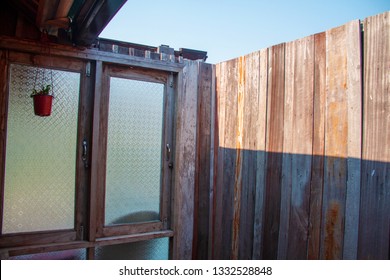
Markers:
(45, 90)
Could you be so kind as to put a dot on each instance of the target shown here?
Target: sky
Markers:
(227, 29)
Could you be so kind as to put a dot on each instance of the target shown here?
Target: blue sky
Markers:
(228, 29)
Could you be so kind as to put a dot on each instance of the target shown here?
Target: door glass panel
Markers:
(133, 170)
(155, 249)
(39, 191)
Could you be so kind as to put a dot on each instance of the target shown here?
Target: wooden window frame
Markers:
(69, 59)
(49, 236)
(100, 153)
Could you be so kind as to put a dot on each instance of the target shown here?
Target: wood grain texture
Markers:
(374, 225)
(317, 176)
(274, 149)
(203, 164)
(336, 145)
(260, 125)
(297, 149)
(354, 138)
(250, 113)
(185, 158)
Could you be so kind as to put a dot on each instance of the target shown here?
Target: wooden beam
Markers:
(184, 163)
(88, 54)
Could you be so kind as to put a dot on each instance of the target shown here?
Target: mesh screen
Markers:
(133, 173)
(39, 189)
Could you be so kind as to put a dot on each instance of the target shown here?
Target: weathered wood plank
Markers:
(260, 127)
(96, 155)
(249, 160)
(302, 148)
(230, 158)
(203, 167)
(89, 54)
(317, 174)
(185, 158)
(297, 149)
(374, 227)
(239, 97)
(336, 145)
(213, 160)
(219, 128)
(275, 112)
(354, 118)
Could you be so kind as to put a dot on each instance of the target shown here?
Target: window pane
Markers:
(78, 254)
(155, 249)
(39, 189)
(133, 171)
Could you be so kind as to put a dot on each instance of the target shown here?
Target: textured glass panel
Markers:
(40, 155)
(155, 249)
(133, 151)
(79, 254)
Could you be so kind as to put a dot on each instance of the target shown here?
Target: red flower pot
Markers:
(42, 105)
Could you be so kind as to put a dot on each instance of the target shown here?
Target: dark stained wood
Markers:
(124, 229)
(26, 239)
(274, 149)
(4, 68)
(96, 154)
(317, 172)
(203, 168)
(374, 226)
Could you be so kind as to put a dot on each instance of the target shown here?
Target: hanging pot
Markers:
(42, 104)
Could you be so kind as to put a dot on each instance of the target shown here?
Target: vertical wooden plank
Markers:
(374, 227)
(96, 156)
(297, 149)
(230, 157)
(238, 135)
(354, 118)
(213, 160)
(336, 141)
(4, 80)
(260, 147)
(219, 140)
(275, 112)
(185, 158)
(249, 160)
(287, 156)
(317, 174)
(202, 172)
(302, 148)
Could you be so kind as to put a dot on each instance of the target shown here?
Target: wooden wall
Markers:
(294, 154)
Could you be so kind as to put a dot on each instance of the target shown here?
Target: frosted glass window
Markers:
(39, 191)
(77, 254)
(155, 249)
(133, 170)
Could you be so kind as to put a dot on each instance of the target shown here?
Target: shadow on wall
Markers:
(288, 206)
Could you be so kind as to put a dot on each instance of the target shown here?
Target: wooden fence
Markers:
(293, 149)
